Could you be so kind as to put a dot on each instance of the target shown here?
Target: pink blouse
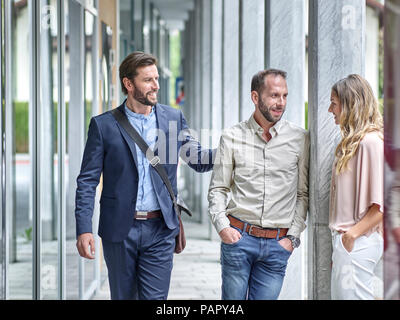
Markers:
(359, 186)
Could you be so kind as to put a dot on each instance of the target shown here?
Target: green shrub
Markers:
(21, 120)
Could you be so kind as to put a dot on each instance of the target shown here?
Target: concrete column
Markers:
(205, 107)
(185, 53)
(372, 49)
(252, 26)
(285, 49)
(230, 63)
(216, 69)
(197, 44)
(216, 84)
(188, 194)
(146, 26)
(336, 49)
(197, 102)
(76, 134)
(47, 130)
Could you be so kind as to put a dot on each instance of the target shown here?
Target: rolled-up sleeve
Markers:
(220, 184)
(300, 216)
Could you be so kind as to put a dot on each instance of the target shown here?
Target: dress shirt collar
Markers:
(135, 115)
(256, 127)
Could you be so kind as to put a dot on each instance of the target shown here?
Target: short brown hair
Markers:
(135, 60)
(257, 83)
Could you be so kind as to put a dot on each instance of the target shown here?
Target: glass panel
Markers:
(2, 171)
(48, 174)
(106, 71)
(19, 205)
(72, 257)
(138, 25)
(90, 55)
(391, 257)
(146, 26)
(89, 66)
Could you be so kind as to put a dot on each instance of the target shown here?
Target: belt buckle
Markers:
(141, 215)
(250, 229)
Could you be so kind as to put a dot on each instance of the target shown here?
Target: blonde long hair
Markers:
(360, 115)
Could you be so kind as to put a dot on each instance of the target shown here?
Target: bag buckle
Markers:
(141, 215)
(155, 161)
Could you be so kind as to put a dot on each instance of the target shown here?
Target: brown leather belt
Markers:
(258, 231)
(144, 215)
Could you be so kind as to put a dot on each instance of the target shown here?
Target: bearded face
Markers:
(273, 98)
(147, 98)
(144, 87)
(271, 113)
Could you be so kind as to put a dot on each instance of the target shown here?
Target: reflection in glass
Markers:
(89, 66)
(19, 209)
(48, 149)
(72, 258)
(89, 269)
(137, 25)
(392, 152)
(106, 64)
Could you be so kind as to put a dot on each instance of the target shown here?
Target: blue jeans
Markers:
(253, 268)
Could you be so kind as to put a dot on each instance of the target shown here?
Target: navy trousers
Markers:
(140, 266)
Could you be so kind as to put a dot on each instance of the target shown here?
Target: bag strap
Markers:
(154, 160)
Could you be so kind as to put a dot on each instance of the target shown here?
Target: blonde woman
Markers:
(356, 202)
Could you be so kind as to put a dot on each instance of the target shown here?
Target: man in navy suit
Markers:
(138, 223)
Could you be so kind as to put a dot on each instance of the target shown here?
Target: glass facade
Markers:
(18, 151)
(59, 68)
(49, 51)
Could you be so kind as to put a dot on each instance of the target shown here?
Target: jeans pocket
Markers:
(280, 246)
(241, 238)
(234, 243)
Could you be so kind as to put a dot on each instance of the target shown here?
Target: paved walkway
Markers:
(196, 274)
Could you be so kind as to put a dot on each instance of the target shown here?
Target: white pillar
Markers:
(230, 63)
(252, 17)
(285, 49)
(336, 49)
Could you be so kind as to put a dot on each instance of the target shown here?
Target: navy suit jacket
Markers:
(110, 150)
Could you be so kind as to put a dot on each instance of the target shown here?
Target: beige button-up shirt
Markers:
(262, 183)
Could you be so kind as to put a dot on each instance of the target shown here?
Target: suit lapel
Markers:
(128, 139)
(162, 125)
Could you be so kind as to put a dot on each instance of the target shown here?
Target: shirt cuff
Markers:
(294, 231)
(221, 223)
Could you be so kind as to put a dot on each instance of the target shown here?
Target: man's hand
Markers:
(286, 244)
(84, 241)
(229, 235)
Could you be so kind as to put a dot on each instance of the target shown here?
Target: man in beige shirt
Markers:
(258, 194)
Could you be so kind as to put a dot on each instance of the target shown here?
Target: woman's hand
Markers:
(371, 219)
(348, 240)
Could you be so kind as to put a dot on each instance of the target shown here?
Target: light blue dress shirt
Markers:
(146, 126)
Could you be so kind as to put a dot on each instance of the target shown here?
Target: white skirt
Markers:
(353, 272)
